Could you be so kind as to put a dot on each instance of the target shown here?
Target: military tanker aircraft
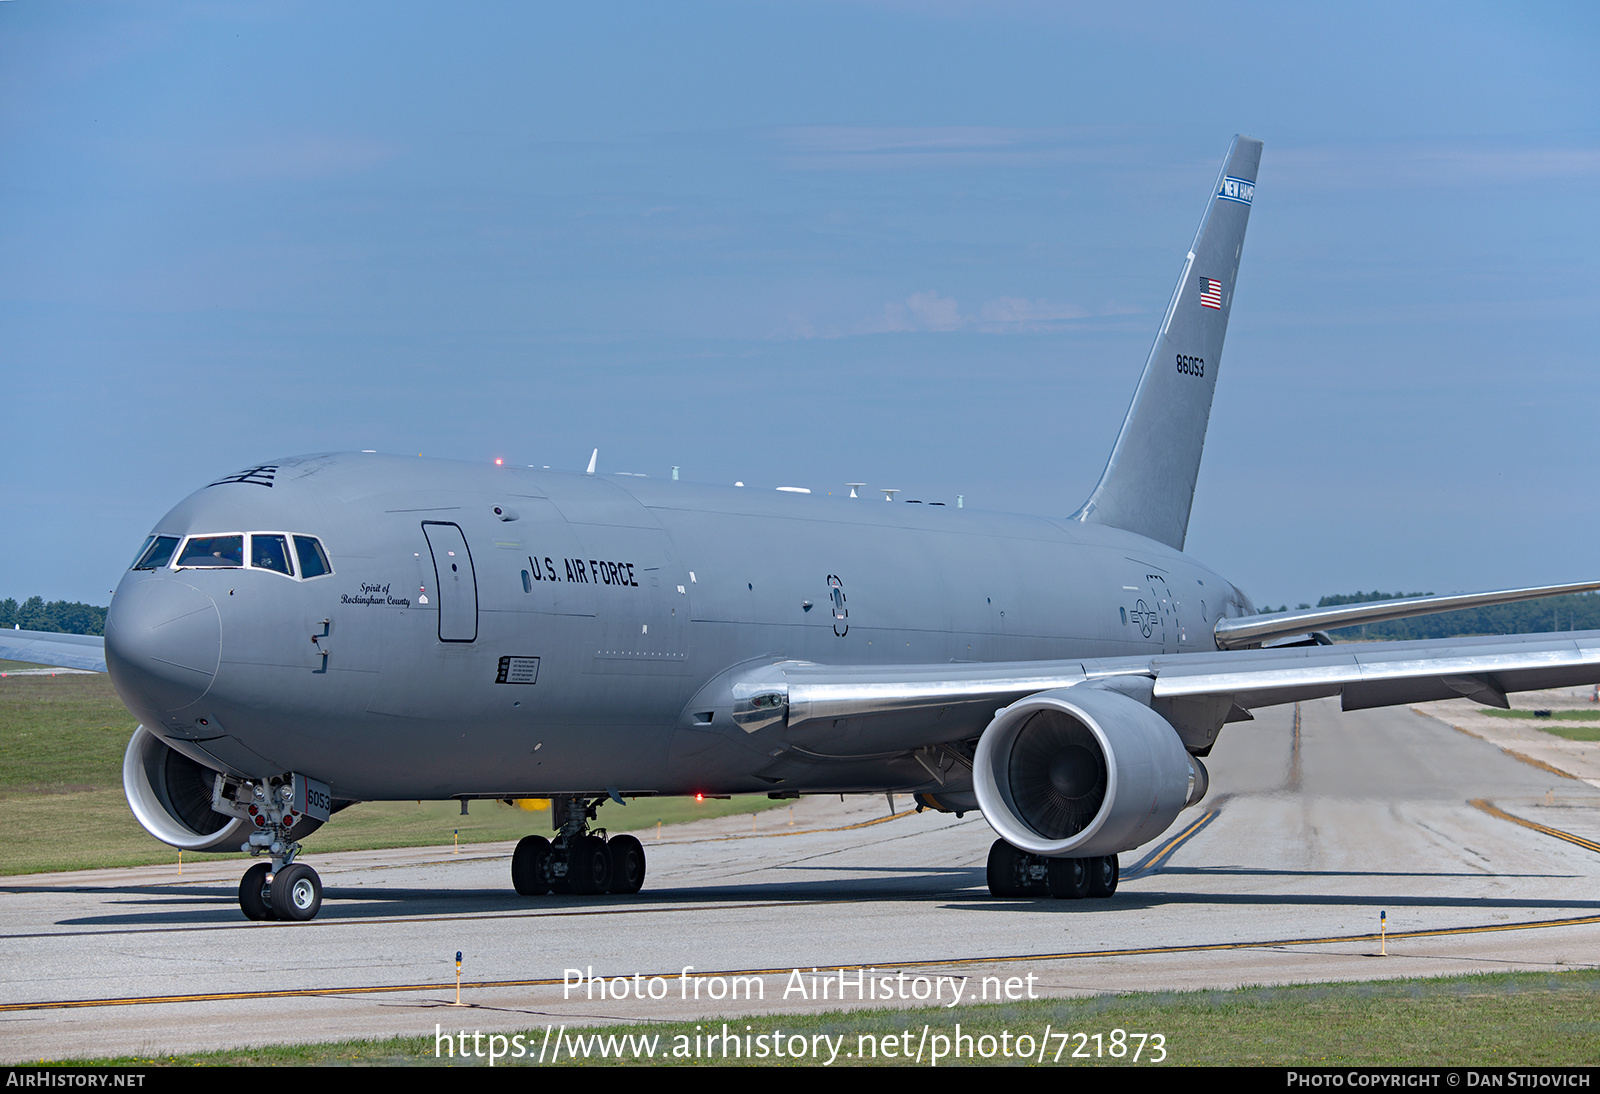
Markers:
(321, 630)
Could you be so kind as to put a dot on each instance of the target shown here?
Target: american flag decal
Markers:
(1211, 293)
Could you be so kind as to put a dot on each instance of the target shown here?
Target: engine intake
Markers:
(170, 795)
(1082, 771)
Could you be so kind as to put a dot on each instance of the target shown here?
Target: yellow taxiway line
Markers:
(1070, 955)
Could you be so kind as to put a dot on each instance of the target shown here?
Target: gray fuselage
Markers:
(409, 671)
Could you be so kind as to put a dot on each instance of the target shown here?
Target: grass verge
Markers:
(1521, 1019)
(61, 804)
(1574, 725)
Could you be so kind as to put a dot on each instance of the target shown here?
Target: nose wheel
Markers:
(293, 893)
(255, 900)
(296, 892)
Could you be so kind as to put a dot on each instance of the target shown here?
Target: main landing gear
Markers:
(1014, 873)
(580, 860)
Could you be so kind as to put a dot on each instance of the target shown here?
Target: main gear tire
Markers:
(1104, 873)
(1007, 870)
(627, 865)
(1069, 878)
(529, 873)
(589, 866)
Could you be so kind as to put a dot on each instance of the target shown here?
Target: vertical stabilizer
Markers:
(1148, 484)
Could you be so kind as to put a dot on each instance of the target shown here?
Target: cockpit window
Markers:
(270, 551)
(226, 550)
(156, 553)
(313, 560)
(213, 551)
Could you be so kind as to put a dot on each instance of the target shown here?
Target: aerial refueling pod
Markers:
(1082, 771)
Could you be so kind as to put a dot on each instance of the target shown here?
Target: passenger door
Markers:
(455, 584)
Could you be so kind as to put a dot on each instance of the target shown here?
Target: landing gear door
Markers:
(455, 583)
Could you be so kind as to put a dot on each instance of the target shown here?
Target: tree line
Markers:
(1578, 612)
(60, 616)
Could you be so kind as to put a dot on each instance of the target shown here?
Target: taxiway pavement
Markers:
(1308, 834)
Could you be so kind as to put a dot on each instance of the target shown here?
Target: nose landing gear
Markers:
(293, 892)
(581, 859)
(281, 888)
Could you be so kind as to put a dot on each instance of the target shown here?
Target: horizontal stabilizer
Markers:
(1252, 630)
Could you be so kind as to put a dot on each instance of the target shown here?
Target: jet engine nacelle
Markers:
(1082, 771)
(170, 795)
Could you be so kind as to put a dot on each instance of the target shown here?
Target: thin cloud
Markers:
(921, 311)
(1429, 166)
(931, 312)
(856, 139)
(1014, 309)
(297, 157)
(875, 147)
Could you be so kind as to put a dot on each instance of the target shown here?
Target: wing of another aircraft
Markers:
(68, 651)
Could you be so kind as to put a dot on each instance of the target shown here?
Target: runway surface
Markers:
(1279, 876)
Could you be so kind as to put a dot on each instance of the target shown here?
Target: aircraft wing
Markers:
(881, 708)
(68, 651)
(1254, 630)
(1380, 674)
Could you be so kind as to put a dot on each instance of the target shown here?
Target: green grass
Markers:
(1559, 723)
(61, 733)
(1522, 1019)
(62, 808)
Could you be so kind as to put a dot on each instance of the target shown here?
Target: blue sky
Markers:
(918, 245)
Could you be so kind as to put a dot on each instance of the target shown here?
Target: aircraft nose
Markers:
(163, 643)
